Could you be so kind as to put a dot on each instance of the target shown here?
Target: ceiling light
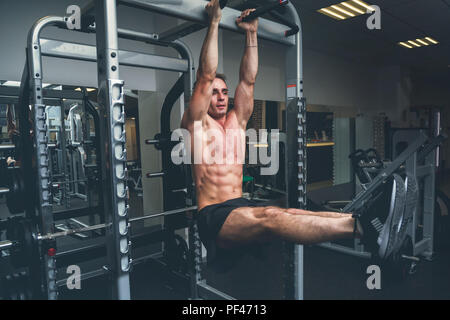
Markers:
(414, 44)
(418, 43)
(365, 5)
(405, 45)
(422, 42)
(346, 9)
(343, 11)
(431, 40)
(87, 89)
(332, 13)
(348, 5)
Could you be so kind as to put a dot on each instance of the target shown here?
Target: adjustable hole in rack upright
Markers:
(125, 264)
(120, 172)
(121, 209)
(123, 227)
(116, 92)
(121, 190)
(124, 245)
(117, 112)
(118, 152)
(118, 133)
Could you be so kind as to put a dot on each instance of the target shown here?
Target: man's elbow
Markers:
(251, 82)
(206, 75)
(248, 82)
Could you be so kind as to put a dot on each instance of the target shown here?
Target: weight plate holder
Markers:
(118, 163)
(301, 172)
(302, 152)
(44, 191)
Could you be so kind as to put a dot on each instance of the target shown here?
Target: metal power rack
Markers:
(111, 99)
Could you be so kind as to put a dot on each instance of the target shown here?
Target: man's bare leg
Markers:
(262, 224)
(326, 214)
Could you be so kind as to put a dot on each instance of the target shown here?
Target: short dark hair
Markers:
(222, 77)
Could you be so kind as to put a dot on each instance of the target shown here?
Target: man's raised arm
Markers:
(209, 60)
(243, 98)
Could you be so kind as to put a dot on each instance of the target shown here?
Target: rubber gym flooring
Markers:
(328, 275)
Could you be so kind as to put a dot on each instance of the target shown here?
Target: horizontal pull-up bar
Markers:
(265, 9)
(84, 52)
(194, 10)
(12, 93)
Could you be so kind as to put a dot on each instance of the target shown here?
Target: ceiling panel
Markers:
(429, 17)
(400, 20)
(386, 4)
(317, 4)
(392, 30)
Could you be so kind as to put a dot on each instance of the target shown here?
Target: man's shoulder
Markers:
(188, 124)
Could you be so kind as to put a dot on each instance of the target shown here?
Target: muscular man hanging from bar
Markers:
(227, 220)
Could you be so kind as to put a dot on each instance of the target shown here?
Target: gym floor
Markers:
(333, 275)
(327, 275)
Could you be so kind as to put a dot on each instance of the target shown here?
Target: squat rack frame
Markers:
(111, 98)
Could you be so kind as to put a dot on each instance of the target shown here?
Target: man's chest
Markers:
(221, 143)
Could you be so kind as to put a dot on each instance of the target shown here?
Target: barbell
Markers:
(52, 236)
(23, 237)
(24, 249)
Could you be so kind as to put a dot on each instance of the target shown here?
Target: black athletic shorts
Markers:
(210, 221)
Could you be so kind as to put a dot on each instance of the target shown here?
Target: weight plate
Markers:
(389, 234)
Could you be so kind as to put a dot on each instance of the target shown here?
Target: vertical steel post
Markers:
(43, 182)
(195, 245)
(114, 155)
(295, 157)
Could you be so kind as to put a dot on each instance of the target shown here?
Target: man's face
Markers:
(219, 100)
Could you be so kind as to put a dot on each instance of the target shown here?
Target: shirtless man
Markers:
(226, 220)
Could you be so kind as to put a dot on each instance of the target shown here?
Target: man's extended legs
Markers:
(261, 224)
(319, 214)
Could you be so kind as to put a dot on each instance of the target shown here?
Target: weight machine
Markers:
(417, 161)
